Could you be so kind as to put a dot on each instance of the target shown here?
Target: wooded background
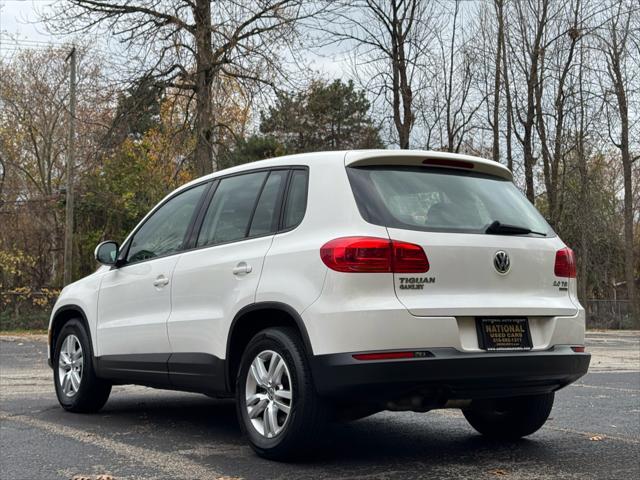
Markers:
(171, 90)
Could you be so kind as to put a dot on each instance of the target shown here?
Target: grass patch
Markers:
(31, 322)
(22, 331)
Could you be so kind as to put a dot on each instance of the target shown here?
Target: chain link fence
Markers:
(609, 314)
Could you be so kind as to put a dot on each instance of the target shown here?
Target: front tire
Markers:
(77, 387)
(510, 418)
(277, 406)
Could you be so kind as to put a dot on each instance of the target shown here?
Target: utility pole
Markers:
(68, 225)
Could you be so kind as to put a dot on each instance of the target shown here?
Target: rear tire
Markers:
(77, 387)
(509, 418)
(298, 413)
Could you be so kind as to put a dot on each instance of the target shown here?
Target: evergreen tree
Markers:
(326, 116)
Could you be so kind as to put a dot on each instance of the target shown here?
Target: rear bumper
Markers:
(447, 373)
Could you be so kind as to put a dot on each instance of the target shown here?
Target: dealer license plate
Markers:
(496, 334)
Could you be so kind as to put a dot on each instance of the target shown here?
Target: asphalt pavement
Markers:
(142, 433)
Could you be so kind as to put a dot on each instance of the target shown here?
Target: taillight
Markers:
(408, 258)
(565, 263)
(373, 255)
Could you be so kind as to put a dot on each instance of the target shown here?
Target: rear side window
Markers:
(296, 203)
(440, 200)
(265, 218)
(231, 208)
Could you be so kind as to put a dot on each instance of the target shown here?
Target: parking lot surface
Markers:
(142, 433)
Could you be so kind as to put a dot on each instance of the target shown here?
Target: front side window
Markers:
(440, 200)
(164, 232)
(231, 208)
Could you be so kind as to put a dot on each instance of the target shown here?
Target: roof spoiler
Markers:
(429, 159)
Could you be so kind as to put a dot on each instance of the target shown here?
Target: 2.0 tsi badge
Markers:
(502, 262)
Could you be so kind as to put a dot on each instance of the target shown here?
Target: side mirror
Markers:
(107, 253)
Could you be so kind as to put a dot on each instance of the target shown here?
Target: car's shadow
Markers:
(383, 445)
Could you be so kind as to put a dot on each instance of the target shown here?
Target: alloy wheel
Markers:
(70, 365)
(268, 393)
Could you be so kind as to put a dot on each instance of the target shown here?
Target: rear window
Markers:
(440, 200)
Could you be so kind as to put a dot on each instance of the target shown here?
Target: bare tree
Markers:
(389, 39)
(457, 76)
(189, 44)
(616, 39)
(525, 41)
(555, 64)
(33, 129)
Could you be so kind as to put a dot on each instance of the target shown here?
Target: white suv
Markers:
(333, 285)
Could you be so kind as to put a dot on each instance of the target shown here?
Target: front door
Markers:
(134, 303)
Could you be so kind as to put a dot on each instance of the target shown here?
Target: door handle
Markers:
(242, 269)
(161, 281)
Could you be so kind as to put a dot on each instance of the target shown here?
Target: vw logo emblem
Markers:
(501, 262)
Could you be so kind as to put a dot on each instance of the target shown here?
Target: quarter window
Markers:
(164, 232)
(296, 199)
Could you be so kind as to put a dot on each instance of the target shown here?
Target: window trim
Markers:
(197, 220)
(283, 195)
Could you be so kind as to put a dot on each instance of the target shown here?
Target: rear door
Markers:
(447, 211)
(220, 276)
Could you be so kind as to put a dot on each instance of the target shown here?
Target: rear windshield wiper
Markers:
(497, 228)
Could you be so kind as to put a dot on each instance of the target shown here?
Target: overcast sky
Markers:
(19, 18)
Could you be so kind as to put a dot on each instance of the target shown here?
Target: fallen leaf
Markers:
(498, 472)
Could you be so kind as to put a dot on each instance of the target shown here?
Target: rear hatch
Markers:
(477, 267)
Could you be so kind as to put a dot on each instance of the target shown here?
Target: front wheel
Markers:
(77, 387)
(509, 418)
(278, 408)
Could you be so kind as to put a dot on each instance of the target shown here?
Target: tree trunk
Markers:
(508, 107)
(629, 261)
(402, 94)
(615, 70)
(532, 77)
(496, 81)
(203, 156)
(583, 260)
(449, 81)
(542, 133)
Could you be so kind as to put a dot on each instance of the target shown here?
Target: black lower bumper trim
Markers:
(450, 374)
